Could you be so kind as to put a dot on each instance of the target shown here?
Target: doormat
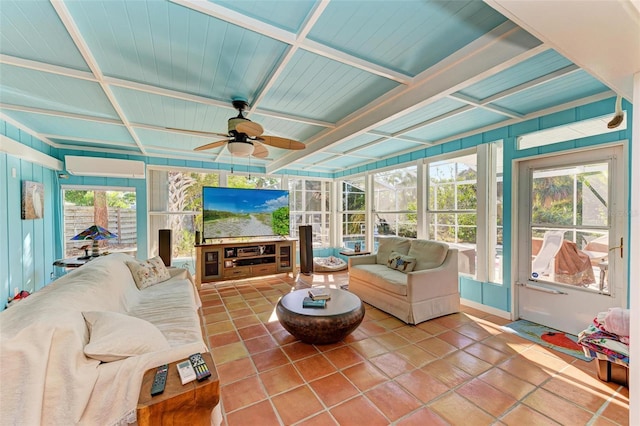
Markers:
(548, 337)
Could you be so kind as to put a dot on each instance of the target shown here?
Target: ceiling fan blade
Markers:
(259, 150)
(249, 128)
(283, 143)
(196, 132)
(211, 145)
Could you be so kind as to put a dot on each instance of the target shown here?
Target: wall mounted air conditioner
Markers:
(104, 167)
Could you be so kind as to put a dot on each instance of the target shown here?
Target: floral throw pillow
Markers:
(401, 262)
(149, 272)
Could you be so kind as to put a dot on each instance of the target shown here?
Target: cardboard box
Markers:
(611, 372)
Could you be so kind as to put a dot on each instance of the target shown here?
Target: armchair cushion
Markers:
(429, 254)
(382, 277)
(401, 262)
(389, 244)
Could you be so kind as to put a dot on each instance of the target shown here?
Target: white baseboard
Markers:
(488, 309)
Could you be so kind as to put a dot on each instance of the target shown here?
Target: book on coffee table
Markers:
(319, 294)
(308, 302)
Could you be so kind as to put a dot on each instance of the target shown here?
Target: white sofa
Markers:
(47, 376)
(430, 290)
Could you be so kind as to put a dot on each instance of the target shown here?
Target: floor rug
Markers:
(548, 337)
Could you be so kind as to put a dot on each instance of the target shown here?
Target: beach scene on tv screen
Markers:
(229, 212)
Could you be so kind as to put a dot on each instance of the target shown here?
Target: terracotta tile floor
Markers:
(461, 369)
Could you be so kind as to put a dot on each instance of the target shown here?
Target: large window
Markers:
(175, 198)
(395, 203)
(452, 207)
(252, 181)
(309, 201)
(111, 208)
(496, 211)
(352, 212)
(175, 202)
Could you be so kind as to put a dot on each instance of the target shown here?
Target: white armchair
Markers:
(428, 291)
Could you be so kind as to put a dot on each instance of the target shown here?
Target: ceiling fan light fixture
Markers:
(240, 149)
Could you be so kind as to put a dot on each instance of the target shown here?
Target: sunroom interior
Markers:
(417, 119)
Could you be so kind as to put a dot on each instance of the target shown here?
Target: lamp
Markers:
(240, 149)
(95, 233)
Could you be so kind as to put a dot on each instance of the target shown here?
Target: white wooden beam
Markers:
(81, 44)
(27, 153)
(497, 50)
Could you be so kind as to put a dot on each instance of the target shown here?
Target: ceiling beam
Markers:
(83, 48)
(48, 68)
(42, 111)
(291, 38)
(569, 105)
(89, 140)
(238, 19)
(601, 37)
(293, 48)
(469, 100)
(26, 129)
(155, 90)
(495, 51)
(399, 136)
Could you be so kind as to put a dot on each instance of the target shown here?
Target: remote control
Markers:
(159, 380)
(200, 367)
(186, 371)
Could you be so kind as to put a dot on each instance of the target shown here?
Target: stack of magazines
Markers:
(317, 298)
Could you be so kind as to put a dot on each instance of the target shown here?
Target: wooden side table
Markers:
(71, 262)
(354, 253)
(179, 404)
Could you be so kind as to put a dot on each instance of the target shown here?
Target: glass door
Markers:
(284, 255)
(569, 218)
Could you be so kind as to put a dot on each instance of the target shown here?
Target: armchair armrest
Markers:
(436, 282)
(367, 259)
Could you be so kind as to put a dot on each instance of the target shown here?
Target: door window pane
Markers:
(569, 225)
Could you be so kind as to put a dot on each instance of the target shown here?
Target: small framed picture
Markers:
(32, 200)
(357, 247)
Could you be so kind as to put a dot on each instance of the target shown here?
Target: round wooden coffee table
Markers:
(343, 314)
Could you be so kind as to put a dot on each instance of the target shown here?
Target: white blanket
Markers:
(45, 376)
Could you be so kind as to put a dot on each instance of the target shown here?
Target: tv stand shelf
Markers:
(227, 259)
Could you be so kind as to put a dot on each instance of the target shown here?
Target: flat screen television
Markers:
(236, 213)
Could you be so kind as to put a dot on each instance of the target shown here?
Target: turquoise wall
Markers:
(27, 246)
(30, 247)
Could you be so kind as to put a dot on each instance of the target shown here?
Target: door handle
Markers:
(621, 247)
(542, 289)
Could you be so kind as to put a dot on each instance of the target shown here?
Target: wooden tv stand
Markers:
(235, 258)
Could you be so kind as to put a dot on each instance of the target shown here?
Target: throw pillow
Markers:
(401, 262)
(114, 336)
(149, 272)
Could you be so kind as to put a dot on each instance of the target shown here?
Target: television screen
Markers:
(232, 212)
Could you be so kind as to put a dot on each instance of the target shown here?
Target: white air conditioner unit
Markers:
(104, 167)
